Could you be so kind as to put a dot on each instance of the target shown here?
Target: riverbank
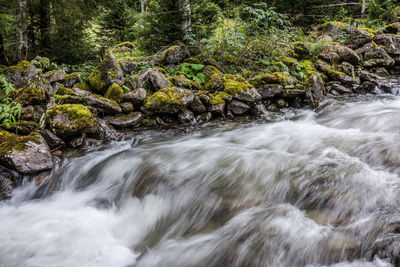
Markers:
(178, 88)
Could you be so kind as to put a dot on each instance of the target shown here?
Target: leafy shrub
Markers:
(10, 111)
(192, 71)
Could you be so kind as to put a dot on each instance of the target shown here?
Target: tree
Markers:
(22, 33)
(45, 24)
(186, 25)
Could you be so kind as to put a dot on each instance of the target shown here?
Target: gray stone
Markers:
(237, 107)
(150, 79)
(127, 121)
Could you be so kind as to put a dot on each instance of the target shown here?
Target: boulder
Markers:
(338, 88)
(136, 97)
(52, 140)
(315, 90)
(55, 75)
(104, 132)
(336, 29)
(237, 107)
(300, 50)
(127, 107)
(150, 79)
(215, 79)
(333, 73)
(71, 79)
(21, 74)
(348, 55)
(377, 57)
(183, 82)
(126, 121)
(204, 118)
(270, 90)
(366, 88)
(197, 106)
(7, 183)
(393, 28)
(389, 43)
(358, 38)
(186, 117)
(281, 103)
(69, 120)
(331, 57)
(292, 93)
(173, 55)
(128, 64)
(123, 47)
(107, 73)
(169, 100)
(281, 78)
(25, 154)
(115, 92)
(32, 94)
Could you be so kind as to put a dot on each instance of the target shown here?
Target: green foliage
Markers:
(10, 111)
(192, 71)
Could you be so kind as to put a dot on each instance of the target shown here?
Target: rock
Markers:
(150, 79)
(186, 117)
(127, 107)
(25, 154)
(336, 29)
(107, 73)
(281, 103)
(293, 93)
(215, 79)
(71, 79)
(331, 57)
(388, 43)
(358, 38)
(105, 105)
(21, 127)
(128, 65)
(204, 118)
(274, 78)
(217, 109)
(259, 109)
(301, 51)
(237, 107)
(38, 113)
(338, 88)
(69, 120)
(393, 28)
(22, 74)
(197, 106)
(104, 132)
(52, 140)
(27, 112)
(249, 95)
(55, 75)
(348, 55)
(183, 82)
(270, 90)
(126, 121)
(173, 55)
(7, 183)
(136, 97)
(32, 94)
(388, 248)
(169, 100)
(315, 90)
(334, 74)
(368, 77)
(77, 142)
(115, 92)
(123, 47)
(377, 57)
(366, 88)
(272, 107)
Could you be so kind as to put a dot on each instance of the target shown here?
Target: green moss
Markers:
(60, 98)
(83, 86)
(65, 91)
(2, 68)
(95, 80)
(332, 72)
(115, 92)
(21, 66)
(167, 100)
(272, 78)
(69, 119)
(183, 82)
(112, 102)
(31, 94)
(371, 32)
(112, 74)
(215, 80)
(126, 44)
(10, 142)
(218, 98)
(74, 75)
(236, 87)
(192, 60)
(287, 60)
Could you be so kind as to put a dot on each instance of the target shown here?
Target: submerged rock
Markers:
(25, 154)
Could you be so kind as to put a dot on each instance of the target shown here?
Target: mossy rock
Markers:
(215, 79)
(272, 78)
(183, 82)
(62, 90)
(71, 79)
(69, 120)
(33, 94)
(218, 98)
(25, 154)
(115, 92)
(123, 47)
(233, 86)
(83, 86)
(301, 50)
(21, 127)
(173, 55)
(21, 74)
(192, 60)
(169, 100)
(393, 28)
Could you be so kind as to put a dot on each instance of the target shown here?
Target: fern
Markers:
(10, 110)
(192, 71)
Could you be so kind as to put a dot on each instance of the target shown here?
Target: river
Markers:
(301, 188)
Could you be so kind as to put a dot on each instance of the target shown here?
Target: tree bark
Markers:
(186, 25)
(22, 33)
(143, 6)
(45, 24)
(363, 7)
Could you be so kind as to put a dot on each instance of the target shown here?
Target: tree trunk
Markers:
(22, 33)
(186, 25)
(45, 25)
(143, 6)
(363, 7)
(3, 57)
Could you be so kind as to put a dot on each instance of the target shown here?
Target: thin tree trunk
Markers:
(3, 57)
(143, 6)
(45, 24)
(22, 33)
(186, 25)
(363, 7)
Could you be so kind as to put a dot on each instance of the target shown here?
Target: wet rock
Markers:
(69, 120)
(77, 142)
(55, 75)
(105, 105)
(270, 90)
(357, 38)
(197, 106)
(281, 103)
(103, 131)
(249, 95)
(259, 109)
(173, 55)
(170, 100)
(315, 90)
(237, 107)
(25, 154)
(368, 77)
(186, 117)
(217, 109)
(293, 93)
(333, 73)
(136, 97)
(127, 107)
(348, 55)
(52, 140)
(126, 121)
(388, 248)
(204, 118)
(7, 183)
(366, 88)
(272, 107)
(150, 79)
(107, 73)
(338, 88)
(377, 57)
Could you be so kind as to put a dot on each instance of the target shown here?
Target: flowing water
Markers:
(302, 188)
